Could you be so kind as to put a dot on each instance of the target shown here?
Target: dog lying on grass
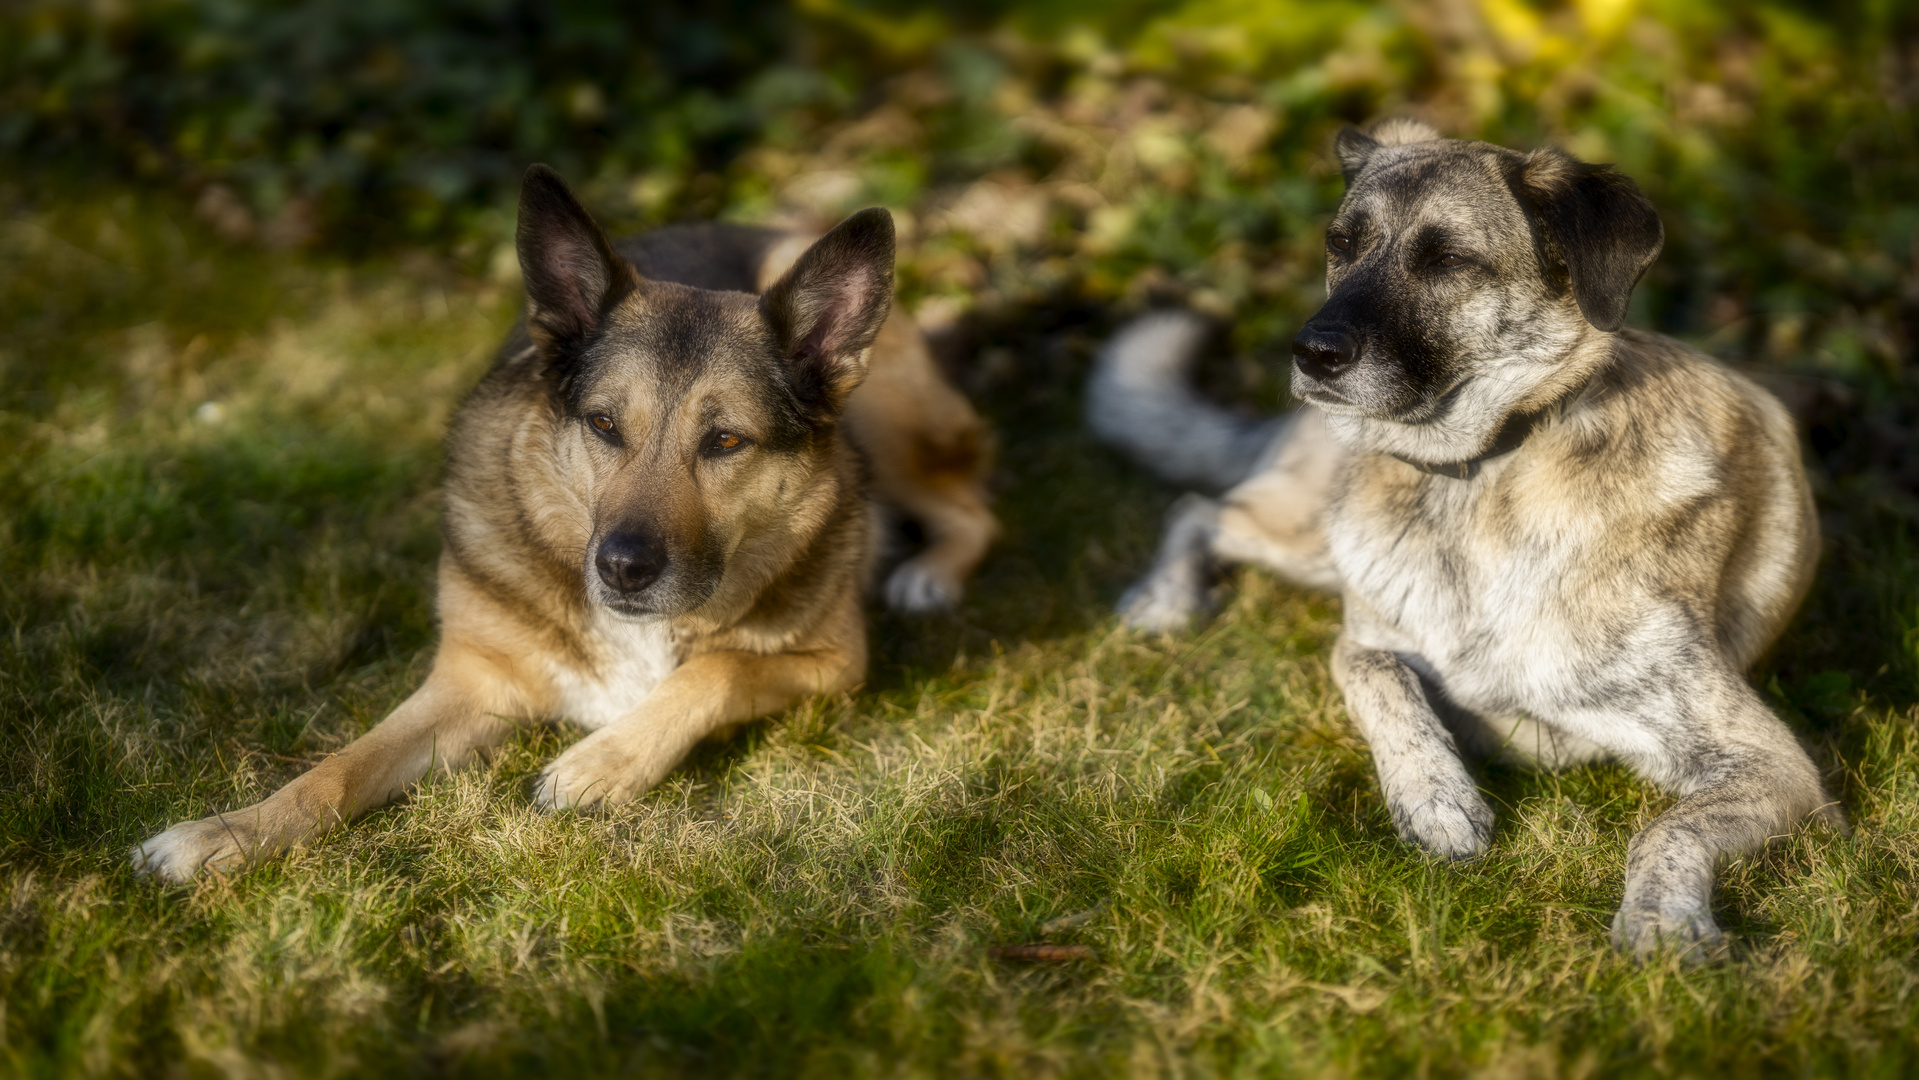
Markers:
(657, 512)
(1556, 540)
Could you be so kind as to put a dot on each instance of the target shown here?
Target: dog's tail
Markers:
(1140, 401)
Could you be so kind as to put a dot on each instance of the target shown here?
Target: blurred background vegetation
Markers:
(1131, 151)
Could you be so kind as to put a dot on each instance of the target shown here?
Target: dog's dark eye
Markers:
(1340, 242)
(603, 424)
(1449, 261)
(724, 442)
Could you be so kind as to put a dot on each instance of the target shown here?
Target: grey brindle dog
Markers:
(1556, 539)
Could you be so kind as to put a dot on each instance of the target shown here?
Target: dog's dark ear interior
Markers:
(1353, 147)
(828, 308)
(1597, 223)
(572, 275)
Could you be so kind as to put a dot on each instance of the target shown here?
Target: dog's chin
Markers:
(1327, 401)
(1362, 403)
(631, 610)
(647, 607)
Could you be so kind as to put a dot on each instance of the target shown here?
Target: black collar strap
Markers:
(1514, 432)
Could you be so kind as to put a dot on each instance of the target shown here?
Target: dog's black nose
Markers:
(1324, 351)
(629, 562)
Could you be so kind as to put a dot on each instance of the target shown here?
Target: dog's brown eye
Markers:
(1451, 261)
(725, 441)
(603, 424)
(1339, 243)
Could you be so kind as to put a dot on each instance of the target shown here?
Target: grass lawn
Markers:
(217, 533)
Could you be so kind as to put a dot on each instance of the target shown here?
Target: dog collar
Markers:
(1511, 434)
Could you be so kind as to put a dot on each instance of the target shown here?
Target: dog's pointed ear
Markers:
(1353, 147)
(826, 310)
(1597, 223)
(573, 277)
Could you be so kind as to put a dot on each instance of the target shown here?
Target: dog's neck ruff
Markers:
(1517, 428)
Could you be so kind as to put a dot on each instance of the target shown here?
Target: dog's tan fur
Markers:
(529, 634)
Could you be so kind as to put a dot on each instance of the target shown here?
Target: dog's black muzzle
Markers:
(1363, 352)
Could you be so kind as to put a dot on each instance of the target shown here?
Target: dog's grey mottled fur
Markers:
(1597, 591)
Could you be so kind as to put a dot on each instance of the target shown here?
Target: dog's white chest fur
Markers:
(632, 659)
(1491, 620)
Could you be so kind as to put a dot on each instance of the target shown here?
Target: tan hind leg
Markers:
(928, 452)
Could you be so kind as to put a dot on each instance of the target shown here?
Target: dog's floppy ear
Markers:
(827, 309)
(572, 275)
(1598, 223)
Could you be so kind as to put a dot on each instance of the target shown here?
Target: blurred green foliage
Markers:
(1131, 151)
(413, 112)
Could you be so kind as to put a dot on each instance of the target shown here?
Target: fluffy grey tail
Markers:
(1140, 401)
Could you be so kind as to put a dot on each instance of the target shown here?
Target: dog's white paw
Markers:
(916, 586)
(217, 843)
(1163, 604)
(1452, 822)
(1684, 927)
(599, 770)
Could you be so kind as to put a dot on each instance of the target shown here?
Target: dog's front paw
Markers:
(1642, 930)
(599, 770)
(917, 586)
(216, 843)
(1453, 823)
(1163, 604)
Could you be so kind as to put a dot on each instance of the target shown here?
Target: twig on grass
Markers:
(1038, 953)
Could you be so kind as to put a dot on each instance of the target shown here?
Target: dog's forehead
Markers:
(664, 340)
(1443, 181)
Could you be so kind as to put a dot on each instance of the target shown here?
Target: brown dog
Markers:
(657, 512)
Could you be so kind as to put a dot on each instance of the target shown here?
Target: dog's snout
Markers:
(1323, 352)
(630, 561)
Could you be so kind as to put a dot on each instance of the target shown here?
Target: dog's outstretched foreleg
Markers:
(706, 695)
(1432, 798)
(1746, 780)
(443, 725)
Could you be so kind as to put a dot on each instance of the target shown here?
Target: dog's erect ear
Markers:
(1353, 147)
(827, 309)
(572, 274)
(1598, 223)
